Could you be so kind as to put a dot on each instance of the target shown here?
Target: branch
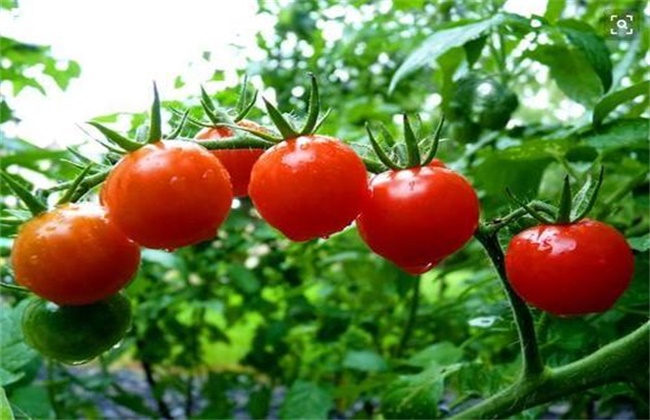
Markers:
(532, 360)
(609, 364)
(410, 322)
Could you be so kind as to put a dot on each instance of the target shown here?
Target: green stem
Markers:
(410, 322)
(611, 363)
(14, 288)
(51, 392)
(532, 360)
(237, 142)
(88, 183)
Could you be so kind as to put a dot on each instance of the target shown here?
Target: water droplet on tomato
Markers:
(207, 174)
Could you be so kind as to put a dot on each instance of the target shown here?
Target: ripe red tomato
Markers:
(73, 255)
(309, 187)
(418, 216)
(416, 270)
(238, 162)
(570, 269)
(168, 194)
(437, 163)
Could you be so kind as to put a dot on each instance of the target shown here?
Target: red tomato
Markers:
(420, 269)
(570, 269)
(73, 255)
(418, 216)
(309, 187)
(437, 163)
(168, 194)
(238, 162)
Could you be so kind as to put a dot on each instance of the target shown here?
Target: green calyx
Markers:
(117, 143)
(414, 151)
(571, 208)
(284, 127)
(34, 204)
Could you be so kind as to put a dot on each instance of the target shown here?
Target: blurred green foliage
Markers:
(326, 322)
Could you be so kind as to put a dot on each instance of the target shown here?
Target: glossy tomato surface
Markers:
(168, 194)
(420, 269)
(238, 162)
(73, 255)
(76, 334)
(570, 269)
(418, 216)
(309, 187)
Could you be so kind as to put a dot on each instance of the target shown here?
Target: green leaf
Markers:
(473, 49)
(15, 353)
(640, 243)
(19, 152)
(414, 396)
(571, 71)
(583, 37)
(554, 9)
(442, 41)
(618, 134)
(244, 280)
(306, 400)
(535, 149)
(259, 402)
(5, 408)
(608, 103)
(523, 177)
(365, 361)
(6, 113)
(441, 354)
(33, 400)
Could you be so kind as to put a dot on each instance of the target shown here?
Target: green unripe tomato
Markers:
(482, 100)
(464, 131)
(76, 334)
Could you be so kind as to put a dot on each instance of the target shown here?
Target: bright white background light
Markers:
(122, 46)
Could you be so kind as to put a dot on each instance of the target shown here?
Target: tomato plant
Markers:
(239, 162)
(571, 269)
(73, 255)
(76, 334)
(309, 187)
(168, 194)
(248, 323)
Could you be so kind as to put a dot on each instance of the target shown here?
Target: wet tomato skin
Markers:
(416, 217)
(309, 187)
(168, 194)
(571, 269)
(417, 270)
(73, 255)
(238, 162)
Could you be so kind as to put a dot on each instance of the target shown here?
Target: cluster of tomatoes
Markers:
(167, 194)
